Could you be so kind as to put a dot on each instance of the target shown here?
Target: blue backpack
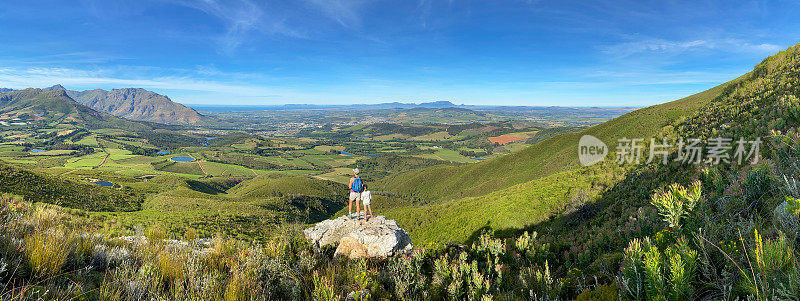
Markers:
(358, 185)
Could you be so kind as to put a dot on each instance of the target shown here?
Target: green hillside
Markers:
(253, 209)
(270, 186)
(550, 156)
(38, 187)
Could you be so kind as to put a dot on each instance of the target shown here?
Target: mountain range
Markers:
(133, 104)
(388, 105)
(55, 105)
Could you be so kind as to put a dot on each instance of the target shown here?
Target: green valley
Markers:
(399, 150)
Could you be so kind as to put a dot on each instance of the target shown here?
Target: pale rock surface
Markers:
(378, 237)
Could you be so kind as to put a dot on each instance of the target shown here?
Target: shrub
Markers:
(156, 234)
(757, 183)
(191, 234)
(47, 251)
(775, 274)
(323, 288)
(603, 292)
(406, 275)
(649, 273)
(793, 205)
(44, 218)
(676, 203)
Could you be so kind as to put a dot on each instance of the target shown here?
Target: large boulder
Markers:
(355, 238)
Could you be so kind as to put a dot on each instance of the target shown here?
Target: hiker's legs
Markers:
(350, 208)
(370, 210)
(358, 206)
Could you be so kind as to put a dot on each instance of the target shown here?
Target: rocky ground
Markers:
(357, 238)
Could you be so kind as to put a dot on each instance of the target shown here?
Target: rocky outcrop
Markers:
(378, 237)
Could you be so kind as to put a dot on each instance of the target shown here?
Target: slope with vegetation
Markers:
(245, 209)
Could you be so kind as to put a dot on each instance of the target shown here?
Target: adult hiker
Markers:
(356, 188)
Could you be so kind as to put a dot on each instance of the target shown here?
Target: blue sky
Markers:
(535, 52)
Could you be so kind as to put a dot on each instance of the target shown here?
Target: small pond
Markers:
(38, 150)
(346, 154)
(104, 183)
(182, 159)
(163, 152)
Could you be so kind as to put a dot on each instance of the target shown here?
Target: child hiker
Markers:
(366, 198)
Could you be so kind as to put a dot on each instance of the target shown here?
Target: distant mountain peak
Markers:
(137, 104)
(437, 104)
(55, 87)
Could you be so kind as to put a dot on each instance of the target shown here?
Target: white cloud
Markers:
(663, 46)
(345, 12)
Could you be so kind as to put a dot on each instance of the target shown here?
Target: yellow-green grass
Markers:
(279, 160)
(390, 137)
(18, 161)
(354, 127)
(339, 175)
(447, 155)
(291, 172)
(139, 160)
(268, 186)
(119, 154)
(328, 160)
(312, 151)
(327, 148)
(88, 141)
(437, 136)
(10, 147)
(133, 172)
(88, 161)
(55, 152)
(514, 147)
(291, 162)
(323, 161)
(222, 169)
(184, 168)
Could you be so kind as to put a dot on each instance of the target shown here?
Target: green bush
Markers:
(650, 273)
(47, 251)
(676, 203)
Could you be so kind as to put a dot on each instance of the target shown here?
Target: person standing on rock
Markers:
(366, 199)
(356, 188)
